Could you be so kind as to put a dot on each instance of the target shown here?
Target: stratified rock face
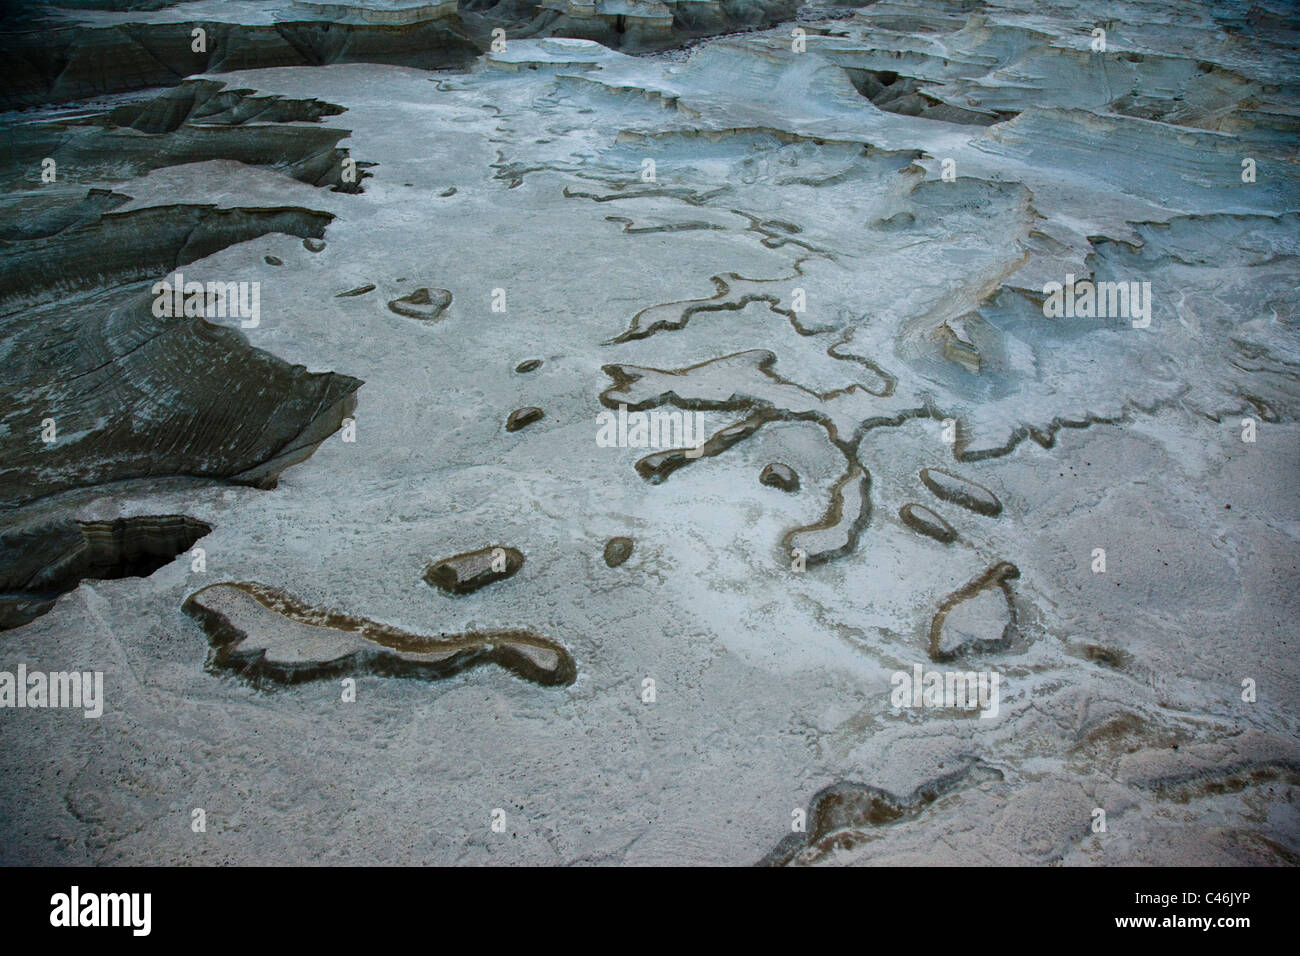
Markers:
(634, 26)
(617, 551)
(107, 385)
(109, 376)
(467, 572)
(135, 547)
(69, 57)
(980, 616)
(65, 59)
(121, 247)
(197, 121)
(131, 395)
(38, 562)
(266, 635)
(379, 11)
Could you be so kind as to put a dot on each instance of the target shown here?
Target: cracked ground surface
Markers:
(837, 255)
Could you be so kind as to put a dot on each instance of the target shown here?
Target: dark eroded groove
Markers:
(995, 577)
(269, 636)
(837, 812)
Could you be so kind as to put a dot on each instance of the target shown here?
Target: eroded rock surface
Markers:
(143, 47)
(839, 253)
(40, 561)
(134, 396)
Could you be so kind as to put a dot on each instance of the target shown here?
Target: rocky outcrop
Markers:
(54, 60)
(105, 391)
(123, 247)
(396, 12)
(41, 560)
(60, 61)
(198, 121)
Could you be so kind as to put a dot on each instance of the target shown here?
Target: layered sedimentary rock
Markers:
(39, 561)
(198, 121)
(111, 377)
(379, 11)
(107, 392)
(59, 55)
(1009, 287)
(118, 248)
(56, 58)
